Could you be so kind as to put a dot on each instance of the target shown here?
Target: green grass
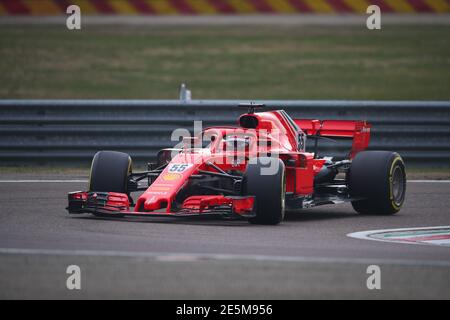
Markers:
(148, 62)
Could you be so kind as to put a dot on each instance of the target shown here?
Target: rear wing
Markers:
(359, 131)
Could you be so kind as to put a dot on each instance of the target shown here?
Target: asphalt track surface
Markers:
(307, 256)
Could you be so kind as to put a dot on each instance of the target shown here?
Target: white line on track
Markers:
(85, 180)
(44, 181)
(183, 257)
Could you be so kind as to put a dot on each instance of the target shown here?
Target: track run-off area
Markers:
(309, 255)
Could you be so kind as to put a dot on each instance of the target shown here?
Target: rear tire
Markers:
(380, 178)
(269, 190)
(109, 172)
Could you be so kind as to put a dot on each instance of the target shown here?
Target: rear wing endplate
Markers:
(359, 131)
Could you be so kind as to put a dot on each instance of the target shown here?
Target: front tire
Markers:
(110, 171)
(269, 188)
(379, 178)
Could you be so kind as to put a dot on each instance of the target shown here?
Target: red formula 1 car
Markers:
(255, 171)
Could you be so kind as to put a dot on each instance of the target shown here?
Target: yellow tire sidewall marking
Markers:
(391, 196)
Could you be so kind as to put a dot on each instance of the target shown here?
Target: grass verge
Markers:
(149, 62)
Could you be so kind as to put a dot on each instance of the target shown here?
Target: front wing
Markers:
(112, 204)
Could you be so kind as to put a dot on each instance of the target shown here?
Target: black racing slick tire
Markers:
(110, 171)
(379, 179)
(269, 188)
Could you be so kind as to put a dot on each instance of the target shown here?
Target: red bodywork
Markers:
(266, 133)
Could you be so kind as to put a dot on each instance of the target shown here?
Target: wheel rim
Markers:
(398, 185)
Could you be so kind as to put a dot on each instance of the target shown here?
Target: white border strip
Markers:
(429, 181)
(366, 235)
(183, 257)
(255, 19)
